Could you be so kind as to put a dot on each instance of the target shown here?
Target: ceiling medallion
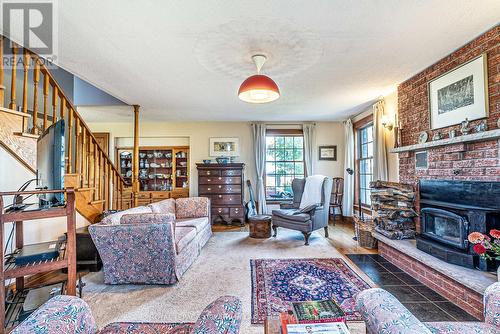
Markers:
(258, 88)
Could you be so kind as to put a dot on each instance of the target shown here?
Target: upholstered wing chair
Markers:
(308, 219)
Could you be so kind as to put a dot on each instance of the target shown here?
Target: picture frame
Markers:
(459, 94)
(224, 146)
(328, 152)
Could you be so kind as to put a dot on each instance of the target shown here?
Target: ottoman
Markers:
(260, 226)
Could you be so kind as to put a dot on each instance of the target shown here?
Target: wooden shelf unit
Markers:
(170, 170)
(66, 260)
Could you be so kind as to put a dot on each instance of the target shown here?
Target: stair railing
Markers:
(84, 157)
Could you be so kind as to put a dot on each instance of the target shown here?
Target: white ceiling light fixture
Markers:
(259, 88)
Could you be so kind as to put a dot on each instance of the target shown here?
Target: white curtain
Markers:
(309, 132)
(379, 150)
(348, 200)
(259, 141)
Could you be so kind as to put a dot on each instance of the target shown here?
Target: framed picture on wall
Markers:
(459, 94)
(224, 147)
(328, 153)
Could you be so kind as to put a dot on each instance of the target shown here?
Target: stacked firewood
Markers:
(393, 207)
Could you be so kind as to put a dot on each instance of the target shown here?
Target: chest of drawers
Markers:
(223, 184)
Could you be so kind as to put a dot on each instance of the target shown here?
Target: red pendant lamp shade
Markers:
(258, 88)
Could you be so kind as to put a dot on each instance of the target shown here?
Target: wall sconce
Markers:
(386, 123)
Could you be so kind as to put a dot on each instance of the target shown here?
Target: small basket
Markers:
(364, 228)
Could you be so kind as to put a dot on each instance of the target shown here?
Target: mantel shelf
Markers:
(474, 137)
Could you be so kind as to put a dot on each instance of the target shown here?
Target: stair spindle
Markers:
(85, 168)
(12, 104)
(55, 96)
(78, 158)
(95, 179)
(26, 64)
(63, 107)
(70, 141)
(46, 82)
(36, 79)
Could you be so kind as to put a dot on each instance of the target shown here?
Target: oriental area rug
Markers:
(278, 282)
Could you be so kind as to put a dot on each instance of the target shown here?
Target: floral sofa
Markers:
(152, 244)
(383, 313)
(71, 315)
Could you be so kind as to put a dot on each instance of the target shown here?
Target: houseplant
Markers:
(487, 246)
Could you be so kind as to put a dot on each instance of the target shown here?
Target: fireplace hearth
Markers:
(449, 211)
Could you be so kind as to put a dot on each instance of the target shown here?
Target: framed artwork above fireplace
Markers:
(459, 94)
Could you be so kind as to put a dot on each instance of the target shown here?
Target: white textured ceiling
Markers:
(184, 60)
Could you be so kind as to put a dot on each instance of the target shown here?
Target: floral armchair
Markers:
(71, 315)
(383, 313)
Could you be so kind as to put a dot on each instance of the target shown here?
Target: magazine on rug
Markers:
(322, 328)
(318, 311)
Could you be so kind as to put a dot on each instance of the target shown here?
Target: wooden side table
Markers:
(260, 226)
(272, 326)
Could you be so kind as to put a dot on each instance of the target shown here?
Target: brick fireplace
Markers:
(466, 161)
(470, 161)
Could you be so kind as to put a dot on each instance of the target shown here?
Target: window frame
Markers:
(360, 124)
(282, 133)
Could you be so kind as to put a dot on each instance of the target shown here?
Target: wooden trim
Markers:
(356, 126)
(362, 122)
(284, 132)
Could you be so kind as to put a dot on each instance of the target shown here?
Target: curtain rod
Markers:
(265, 123)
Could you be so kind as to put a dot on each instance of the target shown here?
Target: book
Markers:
(286, 318)
(318, 311)
(323, 328)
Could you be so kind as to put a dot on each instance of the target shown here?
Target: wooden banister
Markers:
(84, 157)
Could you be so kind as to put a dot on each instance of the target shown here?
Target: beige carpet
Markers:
(222, 269)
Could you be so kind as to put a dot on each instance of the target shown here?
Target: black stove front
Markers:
(449, 211)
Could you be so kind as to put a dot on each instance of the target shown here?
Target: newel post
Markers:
(135, 161)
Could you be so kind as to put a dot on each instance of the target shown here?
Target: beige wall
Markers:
(198, 133)
(391, 109)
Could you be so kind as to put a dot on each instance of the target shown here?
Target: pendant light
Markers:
(259, 88)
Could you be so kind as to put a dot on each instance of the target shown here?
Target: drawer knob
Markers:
(220, 196)
(220, 178)
(209, 180)
(208, 173)
(220, 210)
(209, 189)
(230, 198)
(220, 187)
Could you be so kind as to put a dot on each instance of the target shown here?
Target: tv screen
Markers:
(50, 163)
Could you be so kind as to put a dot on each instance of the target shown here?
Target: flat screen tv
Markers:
(50, 164)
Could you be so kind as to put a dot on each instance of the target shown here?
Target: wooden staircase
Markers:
(97, 182)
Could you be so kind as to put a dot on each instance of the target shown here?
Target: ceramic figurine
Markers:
(481, 127)
(464, 127)
(452, 134)
(436, 136)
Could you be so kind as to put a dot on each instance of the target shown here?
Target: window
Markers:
(365, 162)
(284, 162)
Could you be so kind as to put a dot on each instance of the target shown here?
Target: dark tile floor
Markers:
(424, 303)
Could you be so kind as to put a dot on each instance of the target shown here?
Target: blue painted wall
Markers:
(85, 94)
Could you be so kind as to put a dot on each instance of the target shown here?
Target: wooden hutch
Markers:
(163, 171)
